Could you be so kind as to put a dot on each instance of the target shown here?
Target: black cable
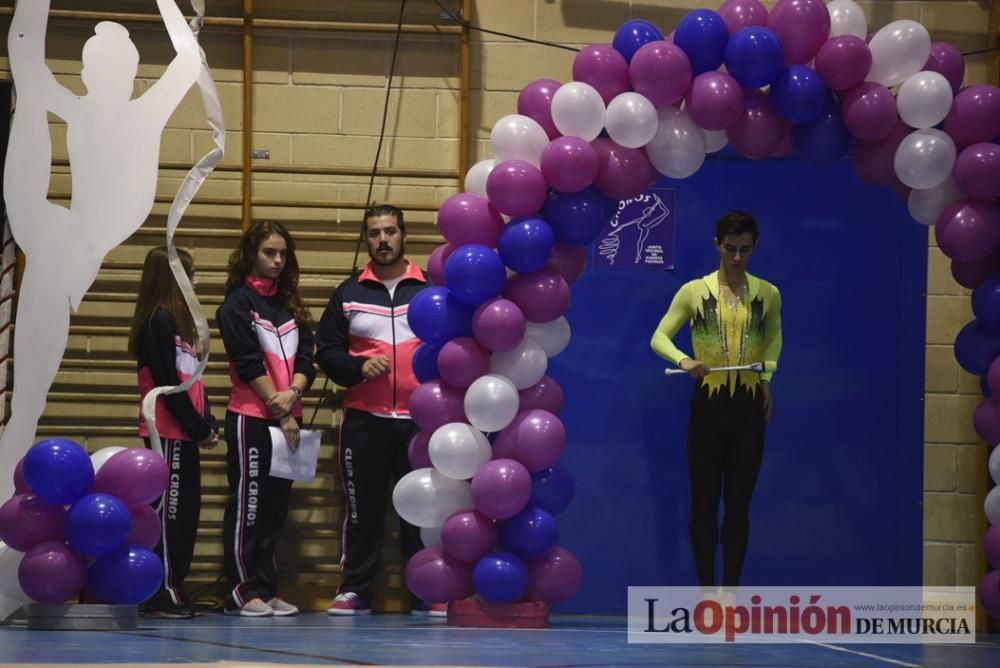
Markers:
(981, 51)
(470, 26)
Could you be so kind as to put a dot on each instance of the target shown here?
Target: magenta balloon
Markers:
(498, 325)
(714, 101)
(873, 161)
(462, 361)
(436, 403)
(986, 420)
(555, 577)
(136, 476)
(542, 296)
(146, 527)
(623, 172)
(991, 545)
(536, 438)
(468, 535)
(569, 261)
(20, 483)
(802, 26)
(545, 395)
(467, 218)
(437, 577)
(51, 573)
(740, 14)
(971, 274)
(759, 130)
(785, 147)
(435, 263)
(604, 68)
(501, 488)
(969, 230)
(661, 72)
(26, 521)
(516, 188)
(535, 101)
(418, 453)
(988, 592)
(947, 60)
(843, 62)
(977, 171)
(974, 115)
(901, 189)
(569, 164)
(869, 112)
(993, 380)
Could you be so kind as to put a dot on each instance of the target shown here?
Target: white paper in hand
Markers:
(298, 464)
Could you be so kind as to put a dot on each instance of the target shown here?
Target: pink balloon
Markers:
(536, 438)
(714, 101)
(603, 68)
(624, 172)
(462, 361)
(977, 171)
(436, 403)
(136, 476)
(436, 261)
(437, 577)
(498, 325)
(569, 261)
(740, 14)
(417, 452)
(20, 484)
(947, 60)
(555, 577)
(535, 101)
(516, 188)
(51, 573)
(467, 218)
(971, 274)
(468, 535)
(759, 130)
(843, 62)
(873, 161)
(785, 147)
(661, 72)
(546, 395)
(26, 521)
(869, 112)
(542, 296)
(974, 115)
(993, 380)
(146, 528)
(986, 421)
(969, 230)
(569, 164)
(501, 488)
(802, 26)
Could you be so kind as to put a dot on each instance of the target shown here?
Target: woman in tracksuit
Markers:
(266, 331)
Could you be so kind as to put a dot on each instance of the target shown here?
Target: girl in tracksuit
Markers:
(266, 331)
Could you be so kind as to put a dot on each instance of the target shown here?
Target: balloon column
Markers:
(82, 523)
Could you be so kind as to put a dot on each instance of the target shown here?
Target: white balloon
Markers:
(631, 120)
(10, 587)
(899, 50)
(678, 149)
(924, 99)
(552, 336)
(994, 465)
(430, 536)
(475, 178)
(458, 450)
(924, 158)
(847, 18)
(517, 137)
(524, 365)
(425, 498)
(926, 205)
(491, 403)
(578, 110)
(104, 454)
(992, 505)
(715, 140)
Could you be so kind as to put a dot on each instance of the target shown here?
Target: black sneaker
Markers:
(168, 610)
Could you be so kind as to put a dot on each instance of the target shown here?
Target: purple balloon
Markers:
(27, 521)
(977, 171)
(624, 172)
(498, 325)
(146, 527)
(468, 535)
(136, 476)
(545, 395)
(603, 68)
(536, 438)
(555, 577)
(501, 488)
(569, 164)
(714, 101)
(436, 262)
(843, 62)
(417, 451)
(542, 296)
(759, 130)
(974, 115)
(569, 261)
(660, 71)
(991, 545)
(435, 403)
(51, 573)
(516, 188)
(986, 420)
(802, 26)
(993, 380)
(467, 218)
(873, 161)
(740, 14)
(20, 483)
(947, 60)
(869, 112)
(462, 361)
(989, 592)
(971, 274)
(969, 230)
(535, 101)
(437, 577)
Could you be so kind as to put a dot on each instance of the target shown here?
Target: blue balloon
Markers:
(474, 273)
(703, 36)
(552, 489)
(530, 534)
(824, 141)
(577, 218)
(631, 35)
(58, 470)
(500, 577)
(986, 302)
(799, 95)
(436, 317)
(526, 244)
(755, 57)
(98, 524)
(127, 576)
(425, 362)
(976, 347)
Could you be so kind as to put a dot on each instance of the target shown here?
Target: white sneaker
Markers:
(253, 608)
(282, 608)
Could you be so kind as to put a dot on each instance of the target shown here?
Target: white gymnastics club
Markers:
(756, 367)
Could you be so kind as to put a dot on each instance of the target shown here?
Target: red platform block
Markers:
(478, 613)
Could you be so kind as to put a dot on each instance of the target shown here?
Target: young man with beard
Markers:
(365, 344)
